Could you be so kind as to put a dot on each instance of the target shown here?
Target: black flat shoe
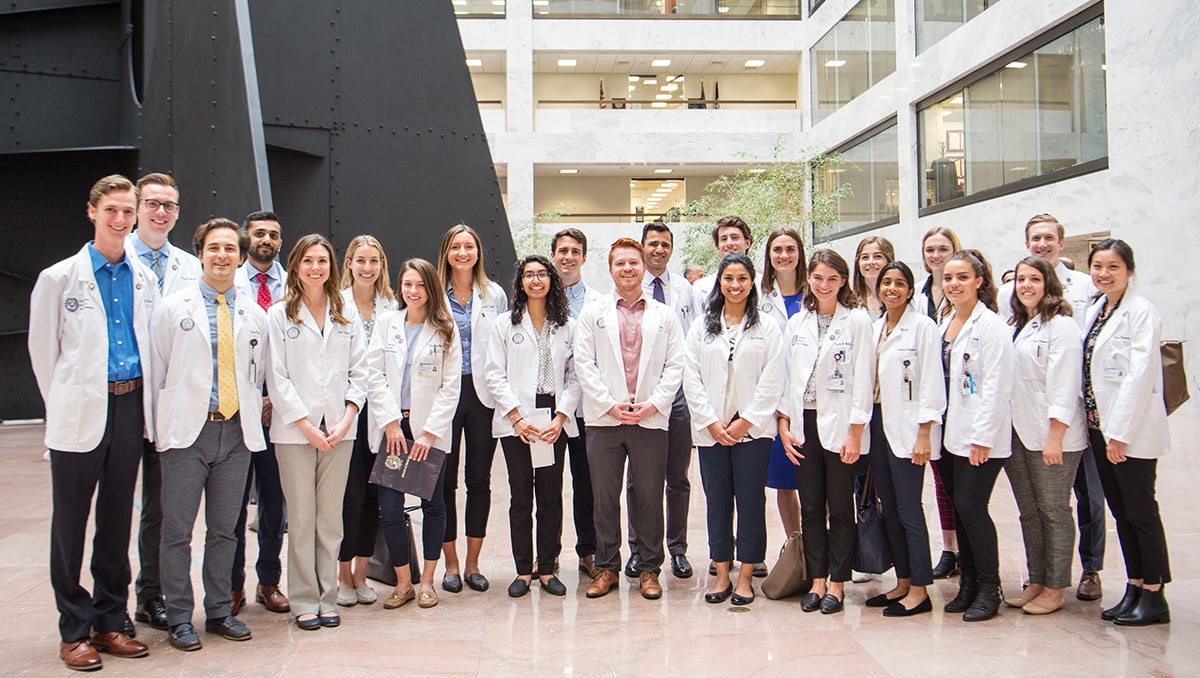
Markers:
(811, 602)
(897, 609)
(830, 604)
(947, 565)
(554, 587)
(308, 624)
(477, 582)
(452, 583)
(743, 600)
(1132, 593)
(330, 621)
(518, 588)
(720, 596)
(880, 600)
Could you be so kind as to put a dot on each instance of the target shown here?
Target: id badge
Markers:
(427, 369)
(966, 385)
(1114, 375)
(836, 382)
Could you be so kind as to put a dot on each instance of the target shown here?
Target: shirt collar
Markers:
(272, 273)
(210, 294)
(144, 250)
(620, 300)
(577, 290)
(98, 260)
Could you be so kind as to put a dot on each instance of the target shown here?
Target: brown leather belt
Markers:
(217, 416)
(123, 387)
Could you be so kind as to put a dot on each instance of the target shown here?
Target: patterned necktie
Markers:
(156, 264)
(264, 291)
(658, 290)
(227, 398)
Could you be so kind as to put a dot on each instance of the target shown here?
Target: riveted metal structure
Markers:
(343, 117)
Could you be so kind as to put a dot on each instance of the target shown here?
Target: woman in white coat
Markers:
(872, 254)
(831, 375)
(733, 382)
(977, 359)
(1127, 427)
(318, 382)
(779, 298)
(905, 434)
(416, 352)
(475, 303)
(365, 294)
(530, 369)
(1049, 437)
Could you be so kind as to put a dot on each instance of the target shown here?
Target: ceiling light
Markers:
(835, 63)
(568, 171)
(670, 184)
(723, 10)
(662, 97)
(634, 78)
(632, 87)
(650, 81)
(663, 170)
(660, 63)
(670, 88)
(458, 2)
(757, 170)
(754, 63)
(948, 113)
(1017, 65)
(498, 3)
(541, 3)
(661, 191)
(658, 104)
(566, 63)
(474, 62)
(1017, 169)
(956, 101)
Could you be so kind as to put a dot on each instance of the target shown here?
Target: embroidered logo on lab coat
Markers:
(71, 304)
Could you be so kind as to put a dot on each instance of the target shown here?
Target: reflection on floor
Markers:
(489, 634)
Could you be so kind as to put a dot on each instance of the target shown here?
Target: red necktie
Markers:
(264, 291)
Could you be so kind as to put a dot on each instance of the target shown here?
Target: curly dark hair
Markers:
(557, 308)
(714, 306)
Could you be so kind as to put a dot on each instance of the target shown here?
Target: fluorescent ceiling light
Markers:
(650, 81)
(662, 97)
(662, 170)
(1017, 65)
(835, 63)
(458, 2)
(474, 62)
(541, 3)
(670, 184)
(947, 113)
(754, 63)
(658, 104)
(498, 3)
(670, 88)
(634, 78)
(723, 10)
(566, 63)
(660, 63)
(632, 87)
(568, 171)
(1017, 169)
(661, 191)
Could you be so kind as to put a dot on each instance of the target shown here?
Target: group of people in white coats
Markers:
(799, 369)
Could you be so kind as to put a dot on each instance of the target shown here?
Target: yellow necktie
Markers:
(227, 398)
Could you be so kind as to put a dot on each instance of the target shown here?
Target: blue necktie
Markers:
(658, 290)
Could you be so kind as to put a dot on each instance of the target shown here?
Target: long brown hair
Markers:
(1052, 302)
(846, 296)
(437, 309)
(946, 233)
(382, 288)
(768, 276)
(860, 281)
(982, 269)
(295, 291)
(479, 277)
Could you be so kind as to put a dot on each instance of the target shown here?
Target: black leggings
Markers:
(1129, 490)
(970, 488)
(474, 420)
(360, 506)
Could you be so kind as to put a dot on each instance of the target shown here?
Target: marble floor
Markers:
(489, 634)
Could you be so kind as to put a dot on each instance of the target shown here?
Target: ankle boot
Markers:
(968, 589)
(1151, 608)
(986, 604)
(947, 565)
(1132, 593)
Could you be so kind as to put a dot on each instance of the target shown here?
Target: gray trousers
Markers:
(608, 448)
(314, 485)
(216, 466)
(1043, 495)
(679, 488)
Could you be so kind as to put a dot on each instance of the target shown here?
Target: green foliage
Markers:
(534, 237)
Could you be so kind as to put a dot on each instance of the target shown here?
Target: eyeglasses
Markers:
(168, 206)
(536, 275)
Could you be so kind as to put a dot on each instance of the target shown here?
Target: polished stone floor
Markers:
(489, 634)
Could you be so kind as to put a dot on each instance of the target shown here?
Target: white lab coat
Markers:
(601, 371)
(758, 377)
(313, 374)
(1048, 383)
(483, 314)
(179, 333)
(68, 348)
(434, 386)
(512, 371)
(1078, 290)
(1127, 377)
(181, 272)
(984, 416)
(350, 309)
(849, 335)
(590, 295)
(912, 386)
(771, 305)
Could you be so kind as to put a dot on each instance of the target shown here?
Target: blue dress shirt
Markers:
(462, 317)
(115, 284)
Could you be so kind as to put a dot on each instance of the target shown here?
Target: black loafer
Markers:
(811, 602)
(897, 609)
(831, 604)
(153, 612)
(743, 600)
(680, 567)
(452, 583)
(184, 637)
(330, 621)
(633, 566)
(720, 596)
(880, 600)
(712, 568)
(477, 582)
(228, 627)
(519, 587)
(554, 587)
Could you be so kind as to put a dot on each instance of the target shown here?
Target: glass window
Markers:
(668, 8)
(938, 18)
(479, 8)
(858, 52)
(1038, 114)
(872, 169)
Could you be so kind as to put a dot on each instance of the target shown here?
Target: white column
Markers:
(519, 66)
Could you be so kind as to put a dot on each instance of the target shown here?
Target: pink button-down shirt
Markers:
(629, 325)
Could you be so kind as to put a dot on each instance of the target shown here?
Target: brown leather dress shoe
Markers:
(119, 645)
(80, 656)
(1089, 586)
(587, 565)
(237, 602)
(602, 583)
(651, 589)
(272, 598)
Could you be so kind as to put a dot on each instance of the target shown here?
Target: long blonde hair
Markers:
(295, 291)
(437, 309)
(479, 277)
(382, 288)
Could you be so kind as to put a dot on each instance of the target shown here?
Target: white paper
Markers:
(540, 452)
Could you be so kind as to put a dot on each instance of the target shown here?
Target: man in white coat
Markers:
(730, 235)
(1044, 237)
(673, 290)
(175, 269)
(629, 361)
(568, 251)
(89, 344)
(207, 423)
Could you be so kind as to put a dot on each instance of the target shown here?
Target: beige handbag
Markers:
(790, 574)
(1175, 385)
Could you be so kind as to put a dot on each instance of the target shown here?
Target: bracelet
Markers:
(519, 420)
